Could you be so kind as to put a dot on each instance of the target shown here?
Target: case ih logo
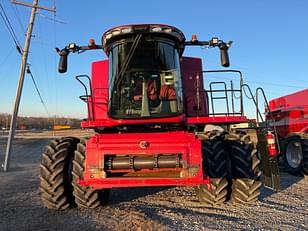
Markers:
(144, 144)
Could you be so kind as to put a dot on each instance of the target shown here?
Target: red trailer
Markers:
(290, 116)
(155, 125)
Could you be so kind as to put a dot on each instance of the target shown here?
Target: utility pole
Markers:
(25, 53)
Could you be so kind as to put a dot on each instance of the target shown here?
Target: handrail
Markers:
(226, 95)
(241, 84)
(78, 78)
(254, 100)
(259, 89)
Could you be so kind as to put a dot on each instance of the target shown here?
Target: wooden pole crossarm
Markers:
(34, 6)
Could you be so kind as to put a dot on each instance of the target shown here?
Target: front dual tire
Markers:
(85, 197)
(61, 166)
(232, 164)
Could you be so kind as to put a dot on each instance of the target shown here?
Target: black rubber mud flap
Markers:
(269, 164)
(275, 175)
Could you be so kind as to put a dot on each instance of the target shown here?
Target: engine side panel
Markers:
(195, 98)
(99, 84)
(290, 113)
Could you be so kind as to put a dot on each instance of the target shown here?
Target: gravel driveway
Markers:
(171, 208)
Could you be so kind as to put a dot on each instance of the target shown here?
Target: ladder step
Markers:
(219, 97)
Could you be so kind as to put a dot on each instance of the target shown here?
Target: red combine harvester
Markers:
(155, 125)
(290, 116)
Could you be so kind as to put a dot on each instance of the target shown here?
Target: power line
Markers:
(274, 84)
(45, 63)
(10, 29)
(5, 59)
(255, 82)
(51, 19)
(16, 12)
(37, 89)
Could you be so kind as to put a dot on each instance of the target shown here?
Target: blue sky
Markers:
(270, 44)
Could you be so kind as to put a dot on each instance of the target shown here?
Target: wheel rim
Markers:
(294, 154)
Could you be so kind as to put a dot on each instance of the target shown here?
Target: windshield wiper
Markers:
(128, 59)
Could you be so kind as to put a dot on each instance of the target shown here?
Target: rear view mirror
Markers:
(63, 60)
(224, 56)
(63, 64)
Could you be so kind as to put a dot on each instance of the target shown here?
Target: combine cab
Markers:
(155, 124)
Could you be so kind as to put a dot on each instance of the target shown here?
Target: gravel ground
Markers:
(158, 208)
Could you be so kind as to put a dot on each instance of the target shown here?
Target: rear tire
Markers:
(55, 173)
(85, 197)
(294, 155)
(215, 165)
(305, 155)
(246, 182)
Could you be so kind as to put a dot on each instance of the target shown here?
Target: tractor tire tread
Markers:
(216, 194)
(54, 188)
(305, 156)
(215, 165)
(246, 182)
(85, 197)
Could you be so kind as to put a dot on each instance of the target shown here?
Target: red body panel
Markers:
(217, 120)
(109, 122)
(99, 85)
(163, 143)
(290, 113)
(192, 79)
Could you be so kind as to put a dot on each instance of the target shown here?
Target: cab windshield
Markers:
(144, 78)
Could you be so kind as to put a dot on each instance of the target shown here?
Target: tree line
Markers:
(24, 122)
